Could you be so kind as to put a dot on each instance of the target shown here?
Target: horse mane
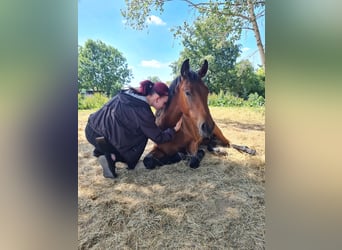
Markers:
(172, 90)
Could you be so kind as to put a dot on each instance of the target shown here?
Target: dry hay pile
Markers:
(220, 205)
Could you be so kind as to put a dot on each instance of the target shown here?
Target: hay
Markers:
(220, 205)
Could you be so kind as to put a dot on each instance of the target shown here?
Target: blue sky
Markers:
(148, 52)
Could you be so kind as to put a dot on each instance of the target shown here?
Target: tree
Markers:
(248, 81)
(260, 73)
(102, 68)
(201, 42)
(242, 14)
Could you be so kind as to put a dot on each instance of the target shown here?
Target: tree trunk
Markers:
(256, 32)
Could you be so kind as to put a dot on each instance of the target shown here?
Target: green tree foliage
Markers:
(261, 78)
(102, 68)
(201, 41)
(248, 81)
(235, 15)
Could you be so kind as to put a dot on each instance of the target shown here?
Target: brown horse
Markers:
(188, 99)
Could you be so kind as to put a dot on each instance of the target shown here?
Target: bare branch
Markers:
(259, 15)
(196, 5)
(247, 28)
(218, 3)
(236, 15)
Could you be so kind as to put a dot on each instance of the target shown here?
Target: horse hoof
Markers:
(149, 162)
(200, 154)
(194, 162)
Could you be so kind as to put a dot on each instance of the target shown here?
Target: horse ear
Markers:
(204, 69)
(185, 68)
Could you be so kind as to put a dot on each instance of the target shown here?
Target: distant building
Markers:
(90, 92)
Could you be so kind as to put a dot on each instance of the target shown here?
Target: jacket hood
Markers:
(128, 98)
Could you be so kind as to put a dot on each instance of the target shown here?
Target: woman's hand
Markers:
(178, 125)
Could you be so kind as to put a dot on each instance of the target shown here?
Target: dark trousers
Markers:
(91, 136)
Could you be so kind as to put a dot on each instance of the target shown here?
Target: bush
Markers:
(228, 100)
(95, 101)
(224, 100)
(254, 100)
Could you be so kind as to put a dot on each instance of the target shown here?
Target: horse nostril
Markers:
(206, 128)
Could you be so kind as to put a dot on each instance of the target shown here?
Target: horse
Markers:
(188, 100)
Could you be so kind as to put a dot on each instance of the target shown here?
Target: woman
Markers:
(120, 129)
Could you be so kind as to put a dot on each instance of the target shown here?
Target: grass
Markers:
(220, 205)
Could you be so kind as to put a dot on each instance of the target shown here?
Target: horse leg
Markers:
(220, 138)
(151, 160)
(157, 157)
(196, 159)
(217, 139)
(196, 155)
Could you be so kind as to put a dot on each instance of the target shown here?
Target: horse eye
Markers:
(188, 93)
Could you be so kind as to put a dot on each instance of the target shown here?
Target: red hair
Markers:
(161, 89)
(148, 88)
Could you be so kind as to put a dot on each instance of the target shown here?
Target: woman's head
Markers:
(161, 89)
(156, 93)
(148, 88)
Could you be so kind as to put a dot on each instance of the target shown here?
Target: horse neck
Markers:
(170, 115)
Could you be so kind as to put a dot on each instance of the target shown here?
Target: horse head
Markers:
(192, 98)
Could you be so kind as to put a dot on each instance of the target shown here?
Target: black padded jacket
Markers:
(127, 122)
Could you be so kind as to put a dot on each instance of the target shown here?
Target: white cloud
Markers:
(152, 64)
(245, 49)
(155, 20)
